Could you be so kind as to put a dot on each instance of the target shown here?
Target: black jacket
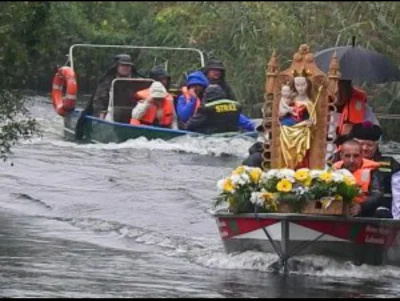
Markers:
(218, 116)
(217, 64)
(389, 166)
(255, 158)
(375, 195)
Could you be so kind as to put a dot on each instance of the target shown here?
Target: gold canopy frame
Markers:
(303, 61)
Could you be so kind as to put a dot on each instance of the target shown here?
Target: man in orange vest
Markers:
(156, 109)
(367, 178)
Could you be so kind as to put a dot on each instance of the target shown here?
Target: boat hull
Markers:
(368, 240)
(97, 130)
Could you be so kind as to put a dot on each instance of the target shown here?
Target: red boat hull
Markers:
(364, 240)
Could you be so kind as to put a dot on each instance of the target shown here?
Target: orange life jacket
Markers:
(362, 176)
(149, 118)
(353, 111)
(145, 93)
(187, 95)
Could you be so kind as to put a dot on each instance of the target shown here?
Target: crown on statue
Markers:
(304, 73)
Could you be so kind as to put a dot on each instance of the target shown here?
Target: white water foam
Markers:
(197, 145)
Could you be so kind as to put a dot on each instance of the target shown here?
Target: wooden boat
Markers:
(78, 125)
(374, 241)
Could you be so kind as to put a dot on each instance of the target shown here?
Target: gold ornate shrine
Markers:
(318, 91)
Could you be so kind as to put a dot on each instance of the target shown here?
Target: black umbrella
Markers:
(359, 64)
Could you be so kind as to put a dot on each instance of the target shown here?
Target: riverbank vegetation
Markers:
(36, 36)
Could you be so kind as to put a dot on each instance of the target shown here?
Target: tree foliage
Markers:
(36, 36)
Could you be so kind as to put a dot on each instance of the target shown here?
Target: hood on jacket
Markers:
(197, 78)
(213, 92)
(158, 73)
(215, 64)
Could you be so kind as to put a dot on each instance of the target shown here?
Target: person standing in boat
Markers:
(156, 110)
(190, 99)
(159, 74)
(122, 66)
(218, 114)
(367, 176)
(369, 135)
(352, 107)
(214, 70)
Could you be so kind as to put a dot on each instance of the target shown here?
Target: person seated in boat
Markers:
(190, 99)
(122, 66)
(214, 70)
(218, 114)
(369, 135)
(255, 157)
(155, 110)
(367, 176)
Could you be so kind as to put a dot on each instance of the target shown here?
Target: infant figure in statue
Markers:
(297, 124)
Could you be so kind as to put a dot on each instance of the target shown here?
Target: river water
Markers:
(131, 220)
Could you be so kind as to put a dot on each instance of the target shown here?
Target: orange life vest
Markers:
(145, 93)
(353, 111)
(187, 95)
(362, 176)
(149, 118)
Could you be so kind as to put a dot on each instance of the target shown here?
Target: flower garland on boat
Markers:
(248, 187)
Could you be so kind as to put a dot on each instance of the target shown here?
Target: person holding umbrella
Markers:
(357, 65)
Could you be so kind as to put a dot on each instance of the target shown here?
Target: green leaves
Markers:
(15, 124)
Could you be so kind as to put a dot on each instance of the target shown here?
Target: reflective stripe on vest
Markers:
(362, 176)
(353, 111)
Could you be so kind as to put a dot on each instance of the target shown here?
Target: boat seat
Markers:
(123, 95)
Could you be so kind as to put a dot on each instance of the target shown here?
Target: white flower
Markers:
(345, 172)
(270, 174)
(315, 173)
(257, 198)
(337, 177)
(285, 173)
(220, 185)
(240, 180)
(300, 190)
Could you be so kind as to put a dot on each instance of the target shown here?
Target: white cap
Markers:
(157, 90)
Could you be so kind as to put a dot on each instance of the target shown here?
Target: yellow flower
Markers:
(228, 186)
(301, 175)
(284, 185)
(239, 170)
(255, 174)
(326, 176)
(349, 181)
(267, 196)
(308, 182)
(338, 198)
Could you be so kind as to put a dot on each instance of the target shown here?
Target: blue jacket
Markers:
(185, 108)
(246, 124)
